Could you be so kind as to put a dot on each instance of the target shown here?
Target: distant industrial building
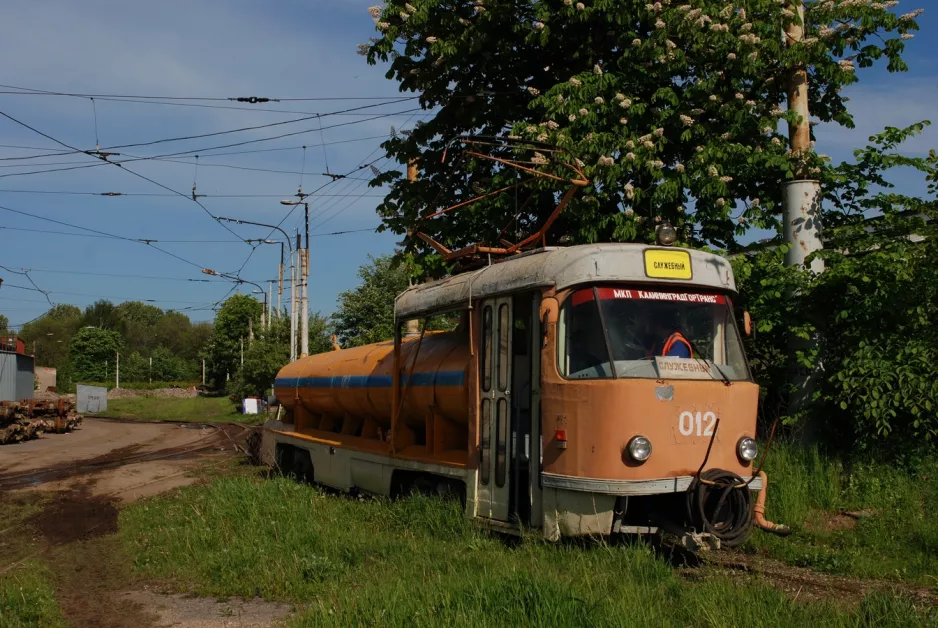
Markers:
(17, 370)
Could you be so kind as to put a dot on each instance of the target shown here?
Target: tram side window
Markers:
(487, 348)
(585, 353)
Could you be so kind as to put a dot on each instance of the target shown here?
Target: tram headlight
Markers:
(747, 449)
(639, 448)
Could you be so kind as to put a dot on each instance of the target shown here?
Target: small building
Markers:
(17, 370)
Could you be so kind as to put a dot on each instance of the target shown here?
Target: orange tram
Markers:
(548, 406)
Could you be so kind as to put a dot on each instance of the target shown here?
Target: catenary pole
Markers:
(801, 199)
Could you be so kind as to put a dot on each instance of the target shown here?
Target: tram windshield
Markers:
(613, 332)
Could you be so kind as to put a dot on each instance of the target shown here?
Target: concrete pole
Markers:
(270, 302)
(293, 305)
(411, 327)
(304, 327)
(802, 197)
(801, 210)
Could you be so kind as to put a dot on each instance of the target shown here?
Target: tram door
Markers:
(494, 416)
(505, 408)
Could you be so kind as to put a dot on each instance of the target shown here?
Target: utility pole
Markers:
(270, 302)
(801, 202)
(412, 326)
(280, 282)
(304, 327)
(293, 302)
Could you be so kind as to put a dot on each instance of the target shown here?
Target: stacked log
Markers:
(26, 420)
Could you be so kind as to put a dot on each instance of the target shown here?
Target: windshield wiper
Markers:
(693, 347)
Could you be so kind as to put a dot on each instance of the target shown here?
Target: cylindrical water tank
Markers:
(357, 382)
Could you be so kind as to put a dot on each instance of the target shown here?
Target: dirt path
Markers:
(78, 482)
(799, 582)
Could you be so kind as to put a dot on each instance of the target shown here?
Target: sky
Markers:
(300, 49)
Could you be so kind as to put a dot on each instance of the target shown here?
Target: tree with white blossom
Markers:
(677, 110)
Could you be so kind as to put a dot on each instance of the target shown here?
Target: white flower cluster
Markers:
(629, 191)
(534, 91)
(687, 120)
(539, 159)
(679, 167)
(538, 26)
(712, 171)
(575, 81)
(846, 65)
(552, 125)
(375, 11)
(606, 161)
(908, 17)
(431, 40)
(599, 100)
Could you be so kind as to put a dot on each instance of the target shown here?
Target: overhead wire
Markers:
(146, 242)
(317, 116)
(155, 194)
(136, 174)
(30, 91)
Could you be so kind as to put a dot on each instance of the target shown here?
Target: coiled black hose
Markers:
(719, 502)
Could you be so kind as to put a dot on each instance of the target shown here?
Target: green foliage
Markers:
(49, 336)
(27, 598)
(355, 562)
(169, 338)
(234, 319)
(874, 308)
(320, 331)
(662, 105)
(104, 315)
(366, 313)
(93, 352)
(4, 323)
(897, 539)
(197, 409)
(262, 360)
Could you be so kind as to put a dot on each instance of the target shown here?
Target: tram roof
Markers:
(559, 268)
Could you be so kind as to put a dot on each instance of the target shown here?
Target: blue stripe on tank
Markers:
(441, 378)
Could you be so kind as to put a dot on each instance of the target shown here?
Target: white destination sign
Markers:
(682, 368)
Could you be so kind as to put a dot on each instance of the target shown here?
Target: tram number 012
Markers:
(699, 423)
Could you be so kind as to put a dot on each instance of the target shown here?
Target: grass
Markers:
(898, 540)
(198, 409)
(419, 562)
(27, 598)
